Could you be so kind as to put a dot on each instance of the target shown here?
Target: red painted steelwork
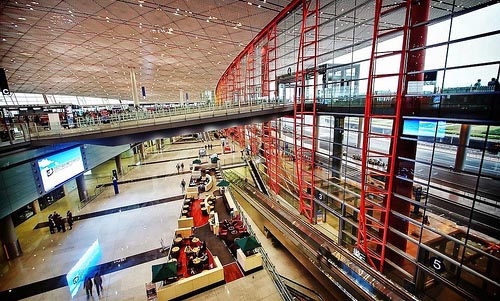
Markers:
(281, 15)
(305, 116)
(270, 153)
(375, 200)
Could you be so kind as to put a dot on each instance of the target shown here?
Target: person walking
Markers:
(182, 166)
(178, 167)
(183, 185)
(69, 219)
(88, 287)
(98, 283)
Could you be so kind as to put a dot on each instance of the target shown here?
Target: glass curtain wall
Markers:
(450, 129)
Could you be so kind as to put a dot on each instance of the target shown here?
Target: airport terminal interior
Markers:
(257, 150)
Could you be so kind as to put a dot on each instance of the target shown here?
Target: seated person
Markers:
(204, 258)
(190, 264)
(188, 250)
(203, 247)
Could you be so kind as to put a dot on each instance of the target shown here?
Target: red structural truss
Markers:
(250, 91)
(375, 203)
(269, 69)
(220, 91)
(270, 141)
(252, 138)
(240, 130)
(305, 132)
(239, 82)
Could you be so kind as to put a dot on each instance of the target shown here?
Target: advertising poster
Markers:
(60, 167)
(85, 267)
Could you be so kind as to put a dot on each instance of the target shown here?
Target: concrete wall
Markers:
(17, 184)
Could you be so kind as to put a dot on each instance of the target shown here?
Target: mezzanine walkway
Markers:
(139, 126)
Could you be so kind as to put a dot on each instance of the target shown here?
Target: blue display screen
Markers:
(85, 267)
(425, 128)
(60, 167)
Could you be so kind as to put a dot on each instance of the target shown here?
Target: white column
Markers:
(133, 82)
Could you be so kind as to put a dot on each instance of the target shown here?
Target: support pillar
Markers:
(142, 151)
(133, 82)
(82, 188)
(36, 206)
(360, 133)
(463, 141)
(8, 236)
(118, 163)
(181, 96)
(408, 148)
(338, 137)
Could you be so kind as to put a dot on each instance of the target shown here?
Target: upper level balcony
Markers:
(139, 125)
(462, 103)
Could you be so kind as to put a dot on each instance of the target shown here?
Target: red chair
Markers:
(223, 233)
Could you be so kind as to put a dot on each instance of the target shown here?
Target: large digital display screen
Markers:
(425, 128)
(60, 167)
(85, 267)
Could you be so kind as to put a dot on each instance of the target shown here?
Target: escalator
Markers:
(300, 292)
(343, 274)
(256, 177)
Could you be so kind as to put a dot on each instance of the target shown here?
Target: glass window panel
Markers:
(435, 58)
(476, 51)
(484, 20)
(438, 33)
(466, 78)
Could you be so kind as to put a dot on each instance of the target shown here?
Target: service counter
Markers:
(213, 220)
(184, 232)
(209, 183)
(185, 222)
(187, 285)
(205, 182)
(248, 263)
(230, 203)
(192, 192)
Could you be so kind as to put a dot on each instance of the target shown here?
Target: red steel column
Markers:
(406, 148)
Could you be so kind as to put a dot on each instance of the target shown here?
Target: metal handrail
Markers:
(349, 260)
(316, 294)
(147, 118)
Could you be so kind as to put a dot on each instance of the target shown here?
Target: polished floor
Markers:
(128, 225)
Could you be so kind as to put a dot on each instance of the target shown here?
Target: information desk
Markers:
(187, 285)
(248, 263)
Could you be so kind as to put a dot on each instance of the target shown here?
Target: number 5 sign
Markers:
(437, 264)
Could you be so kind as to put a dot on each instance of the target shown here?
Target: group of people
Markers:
(179, 167)
(209, 146)
(493, 84)
(57, 222)
(97, 282)
(201, 255)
